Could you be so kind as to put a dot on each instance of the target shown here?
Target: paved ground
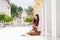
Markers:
(58, 38)
(17, 33)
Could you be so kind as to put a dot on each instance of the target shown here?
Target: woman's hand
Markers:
(34, 26)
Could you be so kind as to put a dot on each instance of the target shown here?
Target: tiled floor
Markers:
(18, 33)
(58, 38)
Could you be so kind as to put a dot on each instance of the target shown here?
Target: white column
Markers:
(48, 17)
(45, 18)
(53, 19)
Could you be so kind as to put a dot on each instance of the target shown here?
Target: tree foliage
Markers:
(4, 17)
(13, 10)
(20, 9)
(29, 10)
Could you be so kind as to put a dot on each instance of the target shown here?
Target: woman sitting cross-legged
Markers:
(35, 24)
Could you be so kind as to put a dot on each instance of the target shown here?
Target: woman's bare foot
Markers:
(34, 33)
(31, 31)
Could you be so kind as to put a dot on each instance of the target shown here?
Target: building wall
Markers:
(5, 7)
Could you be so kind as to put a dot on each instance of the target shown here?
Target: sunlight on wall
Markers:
(36, 5)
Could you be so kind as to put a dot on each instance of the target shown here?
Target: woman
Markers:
(35, 24)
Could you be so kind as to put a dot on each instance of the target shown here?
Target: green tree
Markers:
(13, 10)
(20, 9)
(29, 9)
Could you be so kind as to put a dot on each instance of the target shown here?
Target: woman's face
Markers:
(35, 16)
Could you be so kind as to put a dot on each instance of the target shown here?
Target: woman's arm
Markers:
(34, 26)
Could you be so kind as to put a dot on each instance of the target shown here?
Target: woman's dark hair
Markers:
(36, 21)
(37, 17)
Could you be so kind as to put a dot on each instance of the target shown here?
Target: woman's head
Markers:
(36, 17)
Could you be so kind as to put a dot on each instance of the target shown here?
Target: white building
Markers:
(5, 6)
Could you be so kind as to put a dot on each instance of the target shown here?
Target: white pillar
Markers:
(48, 17)
(53, 19)
(43, 17)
